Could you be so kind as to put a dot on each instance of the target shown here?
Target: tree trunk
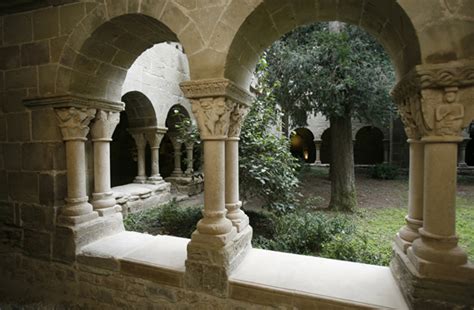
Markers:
(343, 194)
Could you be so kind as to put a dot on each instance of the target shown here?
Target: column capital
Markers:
(139, 138)
(74, 122)
(155, 136)
(213, 117)
(104, 125)
(237, 117)
(433, 99)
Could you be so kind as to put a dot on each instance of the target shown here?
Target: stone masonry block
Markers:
(69, 16)
(21, 78)
(35, 217)
(3, 185)
(23, 186)
(36, 53)
(38, 156)
(7, 213)
(47, 79)
(17, 28)
(44, 125)
(56, 47)
(18, 127)
(13, 101)
(9, 57)
(52, 189)
(3, 128)
(12, 156)
(46, 23)
(37, 243)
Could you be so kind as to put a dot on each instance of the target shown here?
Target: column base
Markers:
(176, 174)
(408, 233)
(438, 249)
(239, 219)
(209, 264)
(103, 200)
(462, 165)
(155, 180)
(110, 211)
(424, 292)
(68, 240)
(140, 180)
(65, 220)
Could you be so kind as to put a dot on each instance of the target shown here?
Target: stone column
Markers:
(386, 151)
(215, 249)
(177, 172)
(437, 252)
(414, 219)
(318, 143)
(232, 200)
(140, 141)
(74, 125)
(189, 158)
(101, 131)
(462, 152)
(154, 137)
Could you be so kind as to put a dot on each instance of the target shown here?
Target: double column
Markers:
(154, 137)
(434, 118)
(140, 142)
(317, 144)
(223, 235)
(177, 145)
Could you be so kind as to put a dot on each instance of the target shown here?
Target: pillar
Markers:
(101, 131)
(414, 219)
(189, 158)
(140, 141)
(154, 137)
(177, 144)
(318, 143)
(215, 249)
(462, 153)
(74, 125)
(232, 200)
(437, 249)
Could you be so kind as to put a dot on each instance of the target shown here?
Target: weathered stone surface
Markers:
(38, 156)
(13, 101)
(12, 156)
(37, 244)
(9, 57)
(18, 28)
(21, 78)
(44, 125)
(70, 15)
(37, 218)
(18, 127)
(36, 53)
(47, 79)
(23, 186)
(46, 23)
(7, 213)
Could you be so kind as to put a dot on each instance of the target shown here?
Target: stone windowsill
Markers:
(264, 277)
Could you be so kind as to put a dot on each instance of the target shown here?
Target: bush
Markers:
(385, 172)
(355, 247)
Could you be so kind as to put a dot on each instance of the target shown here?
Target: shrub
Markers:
(179, 221)
(355, 247)
(385, 172)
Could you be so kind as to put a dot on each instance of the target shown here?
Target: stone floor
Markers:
(136, 197)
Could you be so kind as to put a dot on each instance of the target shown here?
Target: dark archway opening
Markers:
(302, 145)
(368, 146)
(326, 147)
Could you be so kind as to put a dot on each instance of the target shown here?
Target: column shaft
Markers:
(189, 159)
(101, 166)
(76, 170)
(318, 152)
(155, 161)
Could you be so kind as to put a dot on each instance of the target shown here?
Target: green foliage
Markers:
(385, 172)
(338, 73)
(169, 219)
(267, 168)
(187, 133)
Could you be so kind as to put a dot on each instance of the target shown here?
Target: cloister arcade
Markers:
(64, 70)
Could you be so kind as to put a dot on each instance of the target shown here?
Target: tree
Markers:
(343, 74)
(267, 168)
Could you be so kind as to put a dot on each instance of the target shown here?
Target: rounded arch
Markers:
(139, 110)
(302, 145)
(369, 146)
(105, 43)
(175, 114)
(385, 20)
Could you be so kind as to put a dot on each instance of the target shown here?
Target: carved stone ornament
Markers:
(236, 119)
(104, 125)
(140, 140)
(74, 122)
(154, 138)
(213, 117)
(427, 99)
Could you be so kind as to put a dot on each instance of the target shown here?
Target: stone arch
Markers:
(302, 145)
(369, 146)
(139, 110)
(171, 119)
(385, 20)
(107, 41)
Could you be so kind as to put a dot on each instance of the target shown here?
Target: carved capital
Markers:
(74, 122)
(140, 139)
(104, 125)
(236, 119)
(429, 101)
(154, 138)
(213, 117)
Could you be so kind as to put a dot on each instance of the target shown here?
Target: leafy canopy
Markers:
(337, 73)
